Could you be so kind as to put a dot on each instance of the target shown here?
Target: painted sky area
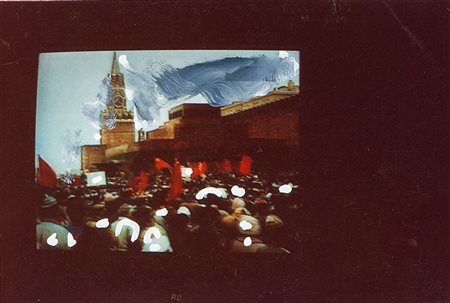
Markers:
(66, 81)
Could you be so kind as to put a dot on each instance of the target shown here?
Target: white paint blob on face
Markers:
(238, 191)
(245, 225)
(70, 240)
(103, 223)
(247, 241)
(162, 212)
(52, 241)
(285, 189)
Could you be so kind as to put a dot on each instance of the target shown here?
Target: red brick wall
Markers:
(91, 154)
(123, 133)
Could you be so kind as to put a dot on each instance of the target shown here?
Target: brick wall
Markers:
(91, 154)
(123, 133)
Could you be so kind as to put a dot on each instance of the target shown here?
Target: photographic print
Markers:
(168, 151)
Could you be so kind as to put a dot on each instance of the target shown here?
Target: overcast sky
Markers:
(67, 80)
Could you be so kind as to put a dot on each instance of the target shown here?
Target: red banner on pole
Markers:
(245, 166)
(47, 176)
(176, 186)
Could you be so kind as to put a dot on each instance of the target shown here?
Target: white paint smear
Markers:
(162, 212)
(103, 223)
(52, 241)
(70, 240)
(152, 232)
(238, 191)
(285, 189)
(247, 241)
(209, 190)
(245, 225)
(135, 227)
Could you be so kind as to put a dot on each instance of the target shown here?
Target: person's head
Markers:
(96, 211)
(125, 210)
(212, 199)
(237, 202)
(75, 210)
(112, 208)
(273, 221)
(229, 225)
(248, 226)
(180, 221)
(48, 208)
(108, 197)
(208, 217)
(240, 211)
(144, 215)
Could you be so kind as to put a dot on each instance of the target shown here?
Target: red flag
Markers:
(195, 170)
(226, 166)
(203, 167)
(143, 183)
(160, 164)
(176, 187)
(133, 182)
(199, 168)
(245, 166)
(47, 176)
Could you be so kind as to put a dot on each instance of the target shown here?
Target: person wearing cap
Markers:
(159, 240)
(237, 202)
(248, 239)
(50, 234)
(124, 237)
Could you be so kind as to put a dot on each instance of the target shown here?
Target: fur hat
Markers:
(237, 202)
(48, 201)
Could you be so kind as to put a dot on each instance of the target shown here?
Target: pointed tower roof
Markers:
(115, 69)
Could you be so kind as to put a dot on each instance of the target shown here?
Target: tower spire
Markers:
(115, 69)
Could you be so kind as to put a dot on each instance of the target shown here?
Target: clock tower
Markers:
(117, 121)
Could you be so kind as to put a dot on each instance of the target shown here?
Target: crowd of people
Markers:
(251, 214)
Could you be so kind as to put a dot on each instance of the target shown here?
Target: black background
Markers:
(373, 129)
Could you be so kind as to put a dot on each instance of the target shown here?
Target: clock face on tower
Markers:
(118, 101)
